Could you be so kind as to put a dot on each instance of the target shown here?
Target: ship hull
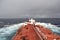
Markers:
(31, 31)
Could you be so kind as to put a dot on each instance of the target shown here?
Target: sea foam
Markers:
(6, 33)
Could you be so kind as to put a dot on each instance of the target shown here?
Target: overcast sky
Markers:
(30, 8)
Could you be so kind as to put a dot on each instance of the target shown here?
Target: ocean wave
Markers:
(6, 33)
(52, 27)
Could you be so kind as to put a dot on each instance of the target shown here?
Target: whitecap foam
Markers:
(6, 33)
(53, 28)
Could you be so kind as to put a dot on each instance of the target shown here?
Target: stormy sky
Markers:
(29, 8)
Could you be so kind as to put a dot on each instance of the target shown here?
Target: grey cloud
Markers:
(30, 8)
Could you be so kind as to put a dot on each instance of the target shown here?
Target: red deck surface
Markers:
(35, 32)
